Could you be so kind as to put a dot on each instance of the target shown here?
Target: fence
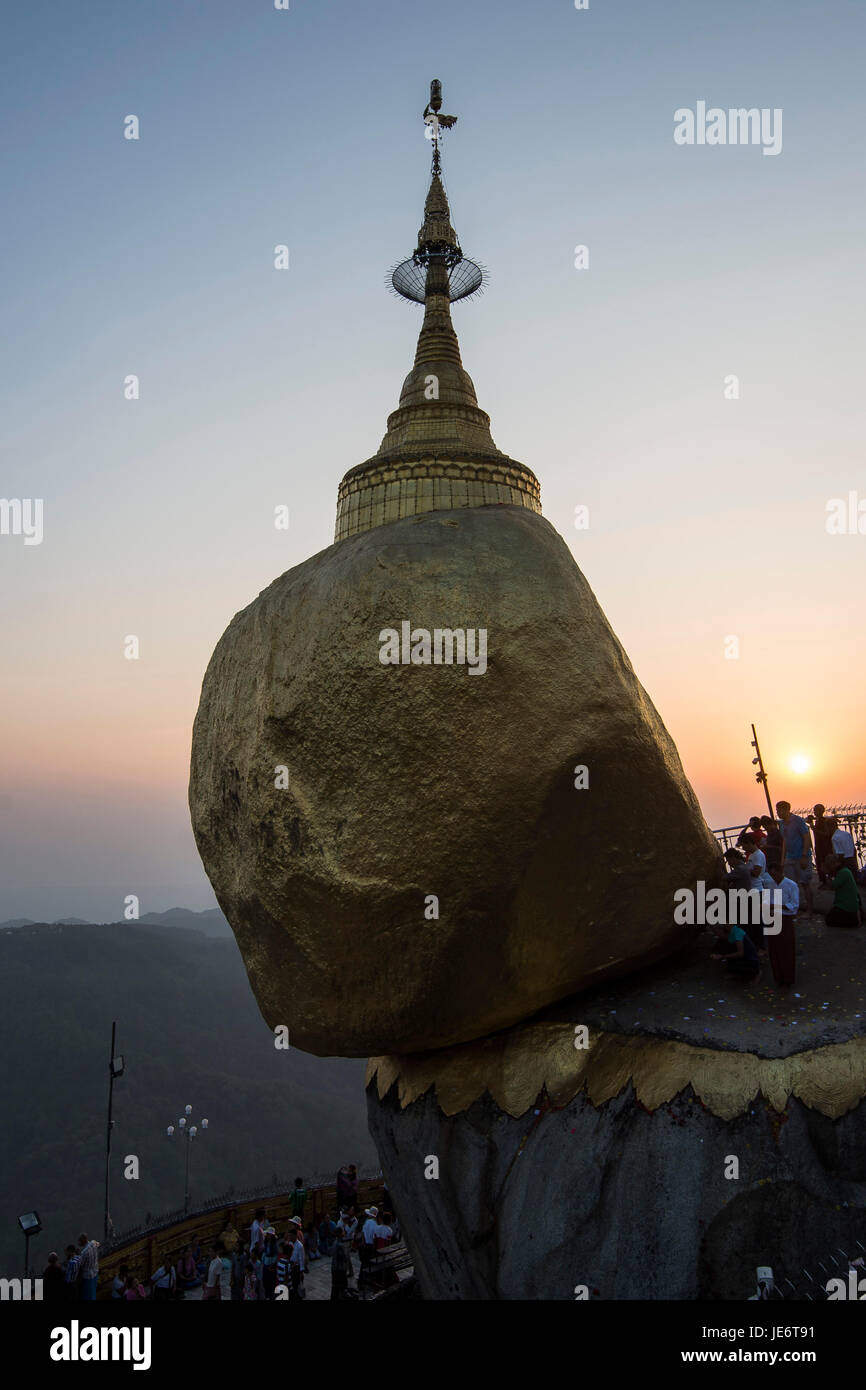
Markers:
(851, 818)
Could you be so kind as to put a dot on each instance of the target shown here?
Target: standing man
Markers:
(71, 1268)
(797, 855)
(257, 1233)
(296, 1262)
(368, 1236)
(53, 1283)
(773, 844)
(368, 1230)
(781, 947)
(347, 1226)
(821, 833)
(299, 1199)
(283, 1273)
(339, 1271)
(88, 1267)
(212, 1287)
(343, 1188)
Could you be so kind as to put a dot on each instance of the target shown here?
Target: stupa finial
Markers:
(437, 453)
(437, 265)
(436, 122)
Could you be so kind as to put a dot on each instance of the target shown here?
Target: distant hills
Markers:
(211, 921)
(190, 1032)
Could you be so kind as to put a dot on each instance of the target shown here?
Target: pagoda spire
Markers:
(437, 453)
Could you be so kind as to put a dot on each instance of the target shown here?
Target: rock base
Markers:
(592, 1186)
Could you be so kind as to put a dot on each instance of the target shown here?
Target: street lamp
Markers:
(187, 1132)
(115, 1071)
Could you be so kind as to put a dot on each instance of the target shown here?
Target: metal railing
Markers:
(152, 1225)
(851, 817)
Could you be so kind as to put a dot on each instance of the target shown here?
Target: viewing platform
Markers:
(144, 1250)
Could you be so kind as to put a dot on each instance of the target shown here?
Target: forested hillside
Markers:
(190, 1032)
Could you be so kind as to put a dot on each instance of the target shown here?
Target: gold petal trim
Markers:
(515, 1067)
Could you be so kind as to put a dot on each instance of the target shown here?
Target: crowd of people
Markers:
(74, 1277)
(782, 859)
(267, 1264)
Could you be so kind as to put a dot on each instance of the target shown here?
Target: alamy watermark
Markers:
(729, 907)
(846, 516)
(444, 646)
(22, 516)
(736, 126)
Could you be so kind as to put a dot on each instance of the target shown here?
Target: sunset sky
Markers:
(259, 387)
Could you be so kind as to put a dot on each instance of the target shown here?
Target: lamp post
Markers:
(31, 1226)
(188, 1132)
(115, 1070)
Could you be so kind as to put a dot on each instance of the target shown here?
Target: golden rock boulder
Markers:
(339, 804)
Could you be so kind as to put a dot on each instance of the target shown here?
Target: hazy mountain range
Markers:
(190, 1032)
(211, 921)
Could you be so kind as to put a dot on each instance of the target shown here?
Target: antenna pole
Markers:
(761, 775)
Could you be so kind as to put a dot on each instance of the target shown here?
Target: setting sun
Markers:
(799, 763)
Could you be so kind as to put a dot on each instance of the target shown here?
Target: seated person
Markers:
(738, 876)
(738, 953)
(846, 910)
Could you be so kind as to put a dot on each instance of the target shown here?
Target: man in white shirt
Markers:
(368, 1234)
(257, 1231)
(760, 882)
(383, 1234)
(843, 845)
(297, 1261)
(369, 1228)
(89, 1267)
(347, 1226)
(781, 948)
(756, 859)
(212, 1289)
